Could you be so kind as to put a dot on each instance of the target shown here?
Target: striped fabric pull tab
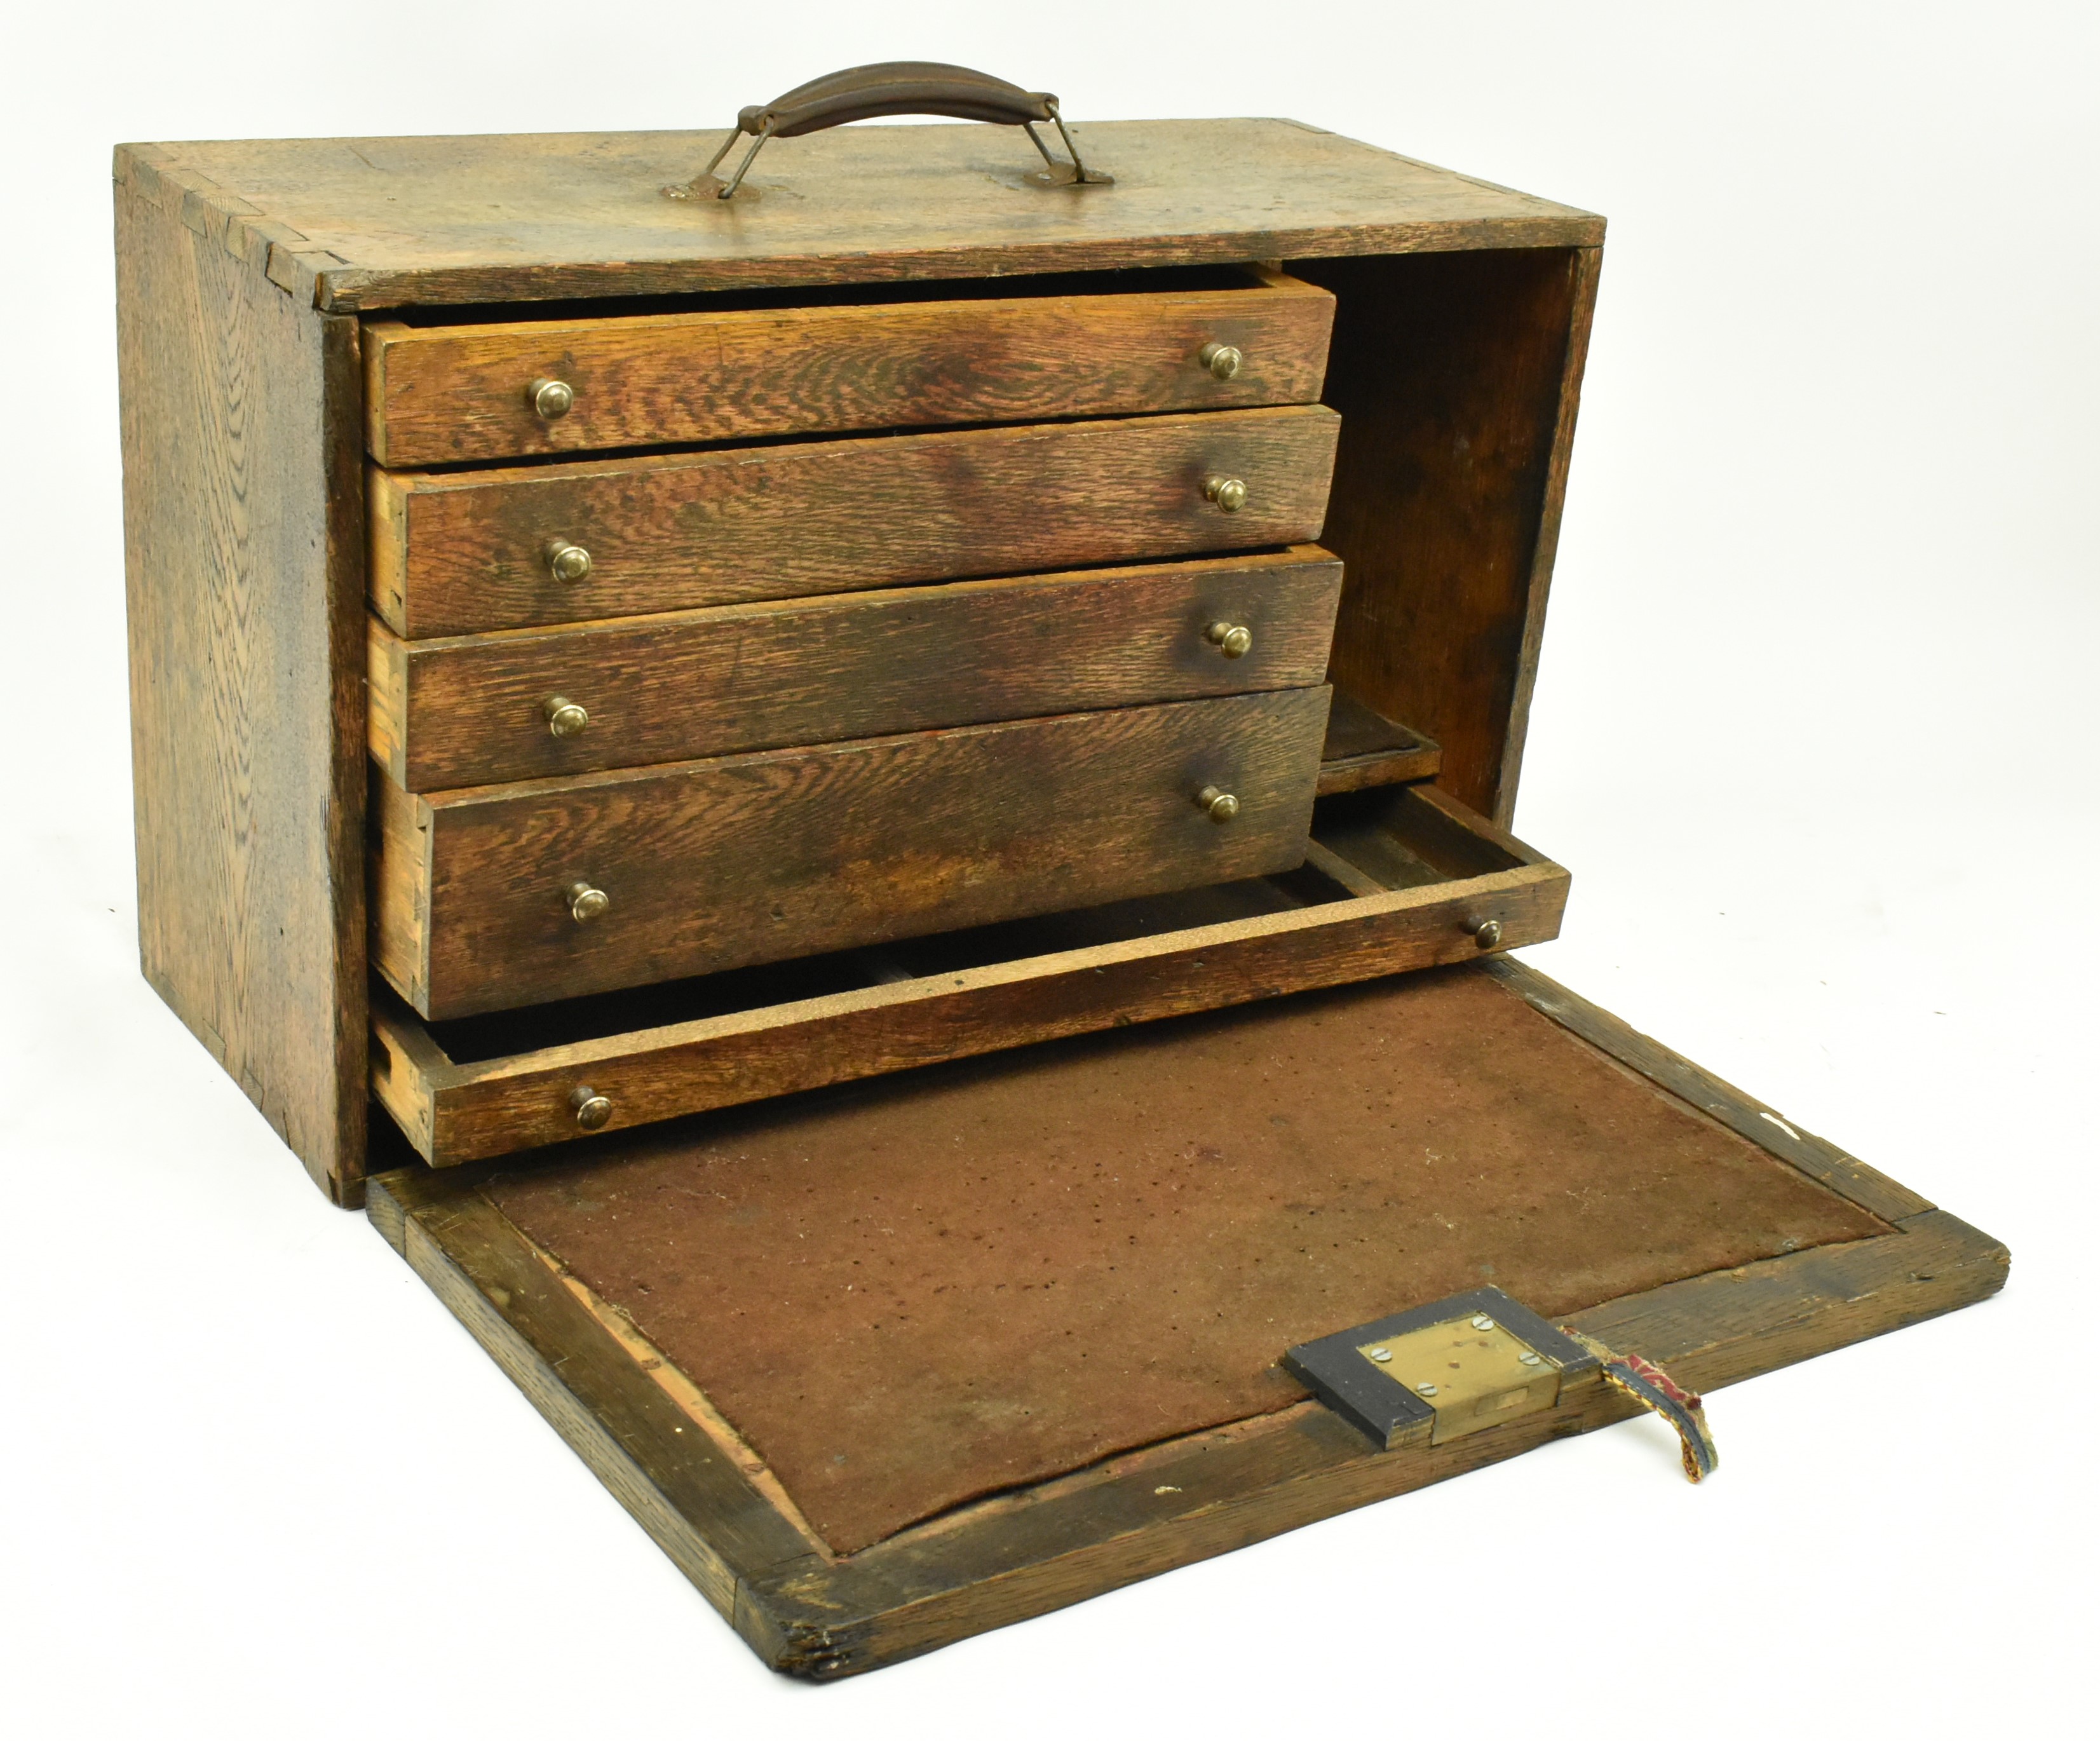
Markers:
(1654, 1388)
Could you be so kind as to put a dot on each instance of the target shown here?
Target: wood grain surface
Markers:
(446, 394)
(1365, 748)
(458, 553)
(372, 223)
(716, 864)
(471, 711)
(959, 996)
(243, 528)
(1457, 377)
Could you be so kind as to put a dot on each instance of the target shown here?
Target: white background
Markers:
(1813, 732)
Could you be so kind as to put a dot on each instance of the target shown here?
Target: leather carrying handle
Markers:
(893, 87)
(896, 87)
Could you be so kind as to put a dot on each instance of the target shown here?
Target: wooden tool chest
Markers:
(603, 662)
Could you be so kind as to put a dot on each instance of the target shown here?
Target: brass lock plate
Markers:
(1454, 1367)
(1474, 1371)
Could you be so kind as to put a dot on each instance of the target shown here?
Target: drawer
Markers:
(473, 710)
(711, 864)
(439, 394)
(459, 553)
(1398, 878)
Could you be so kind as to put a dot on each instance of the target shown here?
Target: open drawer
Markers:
(894, 1362)
(1395, 877)
(1009, 348)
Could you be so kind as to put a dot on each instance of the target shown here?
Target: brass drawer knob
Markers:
(1231, 639)
(1222, 360)
(565, 719)
(1488, 933)
(1228, 493)
(593, 1109)
(550, 399)
(1217, 804)
(567, 563)
(585, 903)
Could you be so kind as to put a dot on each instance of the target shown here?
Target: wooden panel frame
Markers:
(1458, 378)
(244, 560)
(453, 1112)
(809, 1612)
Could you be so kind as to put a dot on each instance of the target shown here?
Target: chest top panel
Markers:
(365, 224)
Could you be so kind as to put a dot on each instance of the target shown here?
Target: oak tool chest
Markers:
(862, 790)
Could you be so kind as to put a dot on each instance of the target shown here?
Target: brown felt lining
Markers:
(907, 1293)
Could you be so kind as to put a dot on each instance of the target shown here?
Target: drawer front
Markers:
(476, 710)
(502, 1082)
(461, 552)
(439, 395)
(743, 859)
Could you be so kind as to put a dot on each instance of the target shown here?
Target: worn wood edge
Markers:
(388, 494)
(1014, 1556)
(1588, 264)
(338, 285)
(1334, 866)
(283, 256)
(692, 1401)
(342, 376)
(467, 798)
(1281, 560)
(1721, 1328)
(1410, 757)
(387, 335)
(411, 483)
(1446, 813)
(846, 1036)
(1749, 1117)
(578, 1424)
(1355, 773)
(401, 871)
(409, 1069)
(387, 658)
(360, 290)
(689, 1498)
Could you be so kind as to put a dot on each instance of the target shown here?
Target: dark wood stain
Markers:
(716, 864)
(971, 993)
(1455, 376)
(443, 394)
(456, 553)
(471, 711)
